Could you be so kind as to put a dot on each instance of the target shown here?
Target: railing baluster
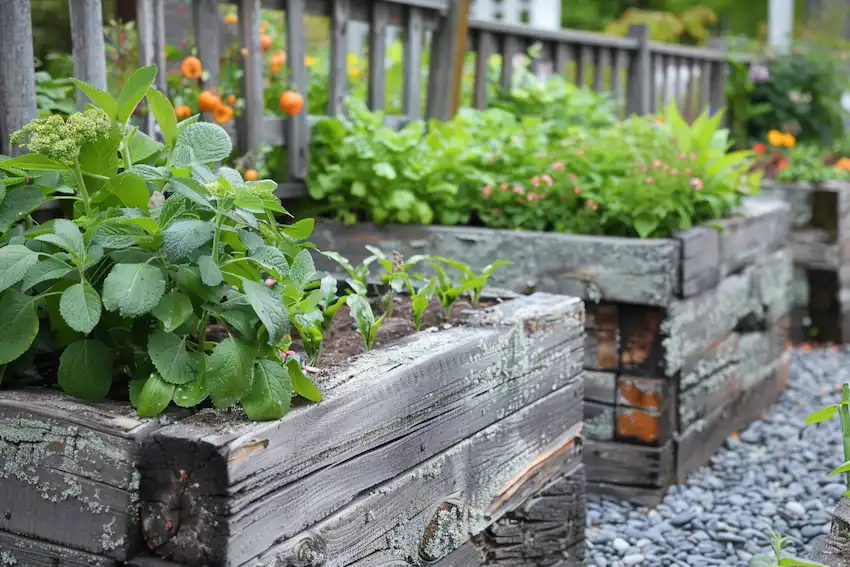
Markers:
(677, 80)
(510, 48)
(145, 24)
(412, 105)
(563, 55)
(378, 55)
(585, 60)
(88, 45)
(717, 95)
(250, 134)
(620, 66)
(485, 46)
(17, 71)
(340, 13)
(640, 69)
(603, 61)
(159, 45)
(206, 24)
(688, 106)
(296, 126)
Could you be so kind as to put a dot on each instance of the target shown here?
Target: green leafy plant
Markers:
(364, 319)
(778, 558)
(358, 276)
(53, 95)
(160, 281)
(421, 299)
(470, 281)
(842, 409)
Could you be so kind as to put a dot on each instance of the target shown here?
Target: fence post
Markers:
(446, 70)
(88, 45)
(17, 70)
(717, 92)
(640, 73)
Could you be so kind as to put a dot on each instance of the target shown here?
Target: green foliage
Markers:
(806, 163)
(777, 557)
(364, 318)
(53, 95)
(158, 281)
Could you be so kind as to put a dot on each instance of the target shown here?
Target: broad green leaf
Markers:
(302, 385)
(143, 147)
(20, 324)
(100, 157)
(191, 394)
(99, 97)
(46, 269)
(253, 241)
(269, 308)
(173, 310)
(189, 278)
(384, 170)
(300, 230)
(164, 113)
(63, 335)
(35, 162)
(172, 360)
(789, 561)
(19, 203)
(271, 393)
(184, 236)
(65, 235)
(133, 289)
(136, 390)
(210, 272)
(240, 317)
(131, 189)
(134, 91)
(188, 187)
(155, 396)
(183, 156)
(80, 307)
(230, 372)
(119, 233)
(302, 270)
(272, 260)
(15, 261)
(85, 370)
(823, 414)
(209, 142)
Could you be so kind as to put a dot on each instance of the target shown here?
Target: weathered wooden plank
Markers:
(638, 95)
(797, 195)
(413, 41)
(206, 22)
(649, 426)
(600, 387)
(617, 75)
(760, 352)
(763, 226)
(628, 270)
(17, 71)
(601, 343)
(16, 550)
(378, 55)
(338, 76)
(73, 463)
(641, 350)
(511, 46)
(813, 248)
(630, 465)
(433, 509)
(721, 354)
(717, 391)
(448, 46)
(700, 266)
(831, 550)
(602, 63)
(701, 440)
(88, 49)
(268, 481)
(146, 39)
(297, 132)
(583, 63)
(772, 278)
(251, 121)
(485, 47)
(563, 55)
(547, 530)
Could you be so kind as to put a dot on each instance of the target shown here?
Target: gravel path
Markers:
(770, 478)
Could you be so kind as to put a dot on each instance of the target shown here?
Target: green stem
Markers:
(219, 218)
(95, 176)
(83, 191)
(126, 153)
(844, 412)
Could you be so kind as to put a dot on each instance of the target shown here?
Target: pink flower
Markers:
(284, 354)
(649, 180)
(533, 197)
(696, 183)
(666, 167)
(577, 190)
(557, 165)
(504, 187)
(519, 190)
(522, 201)
(579, 153)
(656, 164)
(591, 205)
(687, 171)
(572, 177)
(270, 282)
(535, 181)
(683, 156)
(546, 179)
(674, 171)
(486, 190)
(643, 169)
(693, 157)
(564, 197)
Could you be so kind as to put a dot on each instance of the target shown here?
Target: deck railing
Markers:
(639, 73)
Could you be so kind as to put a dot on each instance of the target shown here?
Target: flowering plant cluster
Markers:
(783, 160)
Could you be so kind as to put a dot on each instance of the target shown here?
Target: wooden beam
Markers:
(17, 70)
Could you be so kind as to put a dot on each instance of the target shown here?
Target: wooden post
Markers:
(17, 70)
(640, 73)
(446, 70)
(251, 132)
(89, 50)
(717, 93)
(297, 129)
(146, 24)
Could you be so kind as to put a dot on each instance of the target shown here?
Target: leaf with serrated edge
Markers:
(302, 269)
(210, 272)
(230, 372)
(133, 289)
(15, 262)
(45, 270)
(184, 236)
(155, 396)
(20, 324)
(172, 360)
(85, 370)
(302, 385)
(272, 260)
(269, 308)
(80, 307)
(271, 394)
(173, 310)
(209, 142)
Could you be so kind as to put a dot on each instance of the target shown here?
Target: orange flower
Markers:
(759, 148)
(182, 112)
(244, 51)
(251, 175)
(231, 100)
(291, 102)
(208, 101)
(781, 164)
(788, 140)
(843, 163)
(265, 41)
(231, 19)
(222, 113)
(775, 138)
(309, 61)
(191, 67)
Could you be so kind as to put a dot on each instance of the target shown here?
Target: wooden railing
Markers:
(637, 72)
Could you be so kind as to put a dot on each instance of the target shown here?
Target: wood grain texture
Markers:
(17, 71)
(433, 509)
(762, 227)
(630, 465)
(19, 551)
(88, 47)
(701, 261)
(627, 270)
(74, 464)
(240, 487)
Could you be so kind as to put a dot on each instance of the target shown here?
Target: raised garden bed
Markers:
(820, 241)
(685, 336)
(456, 446)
